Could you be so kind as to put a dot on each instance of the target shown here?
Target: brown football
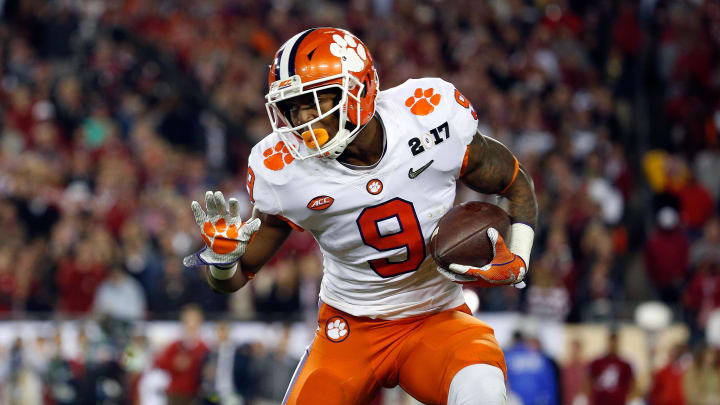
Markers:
(460, 236)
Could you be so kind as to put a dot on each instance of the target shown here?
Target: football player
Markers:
(369, 173)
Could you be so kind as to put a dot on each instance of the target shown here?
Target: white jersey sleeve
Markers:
(262, 165)
(462, 118)
(451, 106)
(437, 105)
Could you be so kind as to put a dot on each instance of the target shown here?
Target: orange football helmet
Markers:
(319, 59)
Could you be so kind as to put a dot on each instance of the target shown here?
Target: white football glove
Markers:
(224, 233)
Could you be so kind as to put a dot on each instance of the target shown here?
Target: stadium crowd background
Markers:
(117, 114)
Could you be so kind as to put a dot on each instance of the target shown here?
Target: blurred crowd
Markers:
(115, 363)
(102, 151)
(116, 114)
(686, 377)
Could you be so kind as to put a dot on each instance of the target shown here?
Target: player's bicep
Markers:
(265, 243)
(490, 166)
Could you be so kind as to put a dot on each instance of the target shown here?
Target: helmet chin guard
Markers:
(312, 61)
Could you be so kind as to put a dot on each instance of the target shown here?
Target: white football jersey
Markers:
(373, 224)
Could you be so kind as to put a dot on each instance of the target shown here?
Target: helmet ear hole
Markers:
(366, 84)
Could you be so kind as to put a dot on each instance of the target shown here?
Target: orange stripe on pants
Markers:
(421, 354)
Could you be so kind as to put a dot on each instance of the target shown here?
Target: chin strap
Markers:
(337, 150)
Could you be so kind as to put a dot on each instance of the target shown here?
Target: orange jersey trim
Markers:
(292, 224)
(465, 161)
(515, 173)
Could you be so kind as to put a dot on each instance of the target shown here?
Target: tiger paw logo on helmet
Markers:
(352, 54)
(423, 102)
(221, 238)
(277, 157)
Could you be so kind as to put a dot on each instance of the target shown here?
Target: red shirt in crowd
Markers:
(184, 364)
(696, 205)
(8, 288)
(572, 375)
(77, 285)
(667, 388)
(702, 295)
(611, 379)
(666, 256)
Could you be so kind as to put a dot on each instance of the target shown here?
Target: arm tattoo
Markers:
(490, 169)
(523, 205)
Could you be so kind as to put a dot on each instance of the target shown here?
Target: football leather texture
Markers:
(460, 236)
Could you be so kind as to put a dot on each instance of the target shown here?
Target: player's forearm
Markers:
(492, 169)
(265, 243)
(227, 286)
(242, 272)
(522, 205)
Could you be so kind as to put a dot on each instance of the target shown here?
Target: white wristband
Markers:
(521, 241)
(223, 274)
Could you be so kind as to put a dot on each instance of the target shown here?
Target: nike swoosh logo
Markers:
(412, 174)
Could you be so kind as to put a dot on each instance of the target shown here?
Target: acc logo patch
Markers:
(374, 186)
(337, 329)
(320, 203)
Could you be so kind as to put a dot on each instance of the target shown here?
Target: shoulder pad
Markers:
(271, 159)
(429, 100)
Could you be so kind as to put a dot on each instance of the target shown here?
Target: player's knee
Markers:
(478, 384)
